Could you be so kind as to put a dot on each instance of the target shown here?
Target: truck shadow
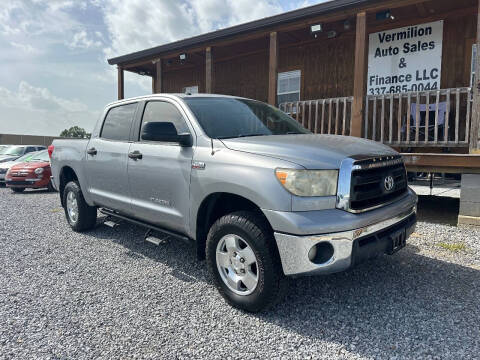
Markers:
(394, 304)
(397, 304)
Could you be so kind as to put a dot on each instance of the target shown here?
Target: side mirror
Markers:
(165, 132)
(185, 139)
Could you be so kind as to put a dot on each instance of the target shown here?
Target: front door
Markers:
(160, 179)
(106, 165)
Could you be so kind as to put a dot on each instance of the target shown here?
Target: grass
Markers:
(452, 247)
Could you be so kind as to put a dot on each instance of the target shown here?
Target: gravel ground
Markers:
(107, 294)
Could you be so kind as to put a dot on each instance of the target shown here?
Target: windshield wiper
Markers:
(240, 136)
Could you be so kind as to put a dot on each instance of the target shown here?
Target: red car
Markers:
(33, 174)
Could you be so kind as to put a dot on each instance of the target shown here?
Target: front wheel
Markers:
(244, 262)
(50, 187)
(79, 214)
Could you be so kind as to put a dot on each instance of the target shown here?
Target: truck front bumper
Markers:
(330, 253)
(329, 247)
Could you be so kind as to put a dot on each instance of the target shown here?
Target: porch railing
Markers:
(324, 116)
(434, 118)
(420, 119)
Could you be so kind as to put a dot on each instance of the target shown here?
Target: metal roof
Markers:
(291, 16)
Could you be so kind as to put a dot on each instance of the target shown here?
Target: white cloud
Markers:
(38, 99)
(134, 25)
(26, 48)
(213, 14)
(82, 41)
(50, 18)
(42, 112)
(54, 31)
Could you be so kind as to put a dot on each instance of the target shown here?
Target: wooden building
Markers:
(397, 71)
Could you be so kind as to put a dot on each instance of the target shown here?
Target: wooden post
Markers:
(272, 69)
(121, 93)
(475, 121)
(157, 80)
(359, 85)
(208, 70)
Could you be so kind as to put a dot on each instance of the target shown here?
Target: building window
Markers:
(190, 89)
(288, 88)
(474, 59)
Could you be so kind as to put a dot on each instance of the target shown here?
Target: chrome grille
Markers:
(368, 186)
(371, 183)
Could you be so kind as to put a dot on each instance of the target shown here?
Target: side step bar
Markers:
(148, 236)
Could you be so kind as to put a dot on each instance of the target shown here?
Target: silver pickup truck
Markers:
(261, 196)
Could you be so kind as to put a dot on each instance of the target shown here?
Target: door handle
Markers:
(92, 151)
(135, 155)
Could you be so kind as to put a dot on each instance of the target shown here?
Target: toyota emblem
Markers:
(388, 183)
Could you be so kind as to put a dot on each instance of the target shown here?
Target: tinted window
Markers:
(118, 121)
(30, 149)
(230, 118)
(159, 111)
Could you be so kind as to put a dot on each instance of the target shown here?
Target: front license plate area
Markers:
(398, 241)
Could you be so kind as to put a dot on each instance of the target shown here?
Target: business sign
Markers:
(405, 59)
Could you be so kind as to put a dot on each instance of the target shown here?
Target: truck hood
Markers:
(309, 150)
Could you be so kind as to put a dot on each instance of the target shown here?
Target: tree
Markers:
(75, 132)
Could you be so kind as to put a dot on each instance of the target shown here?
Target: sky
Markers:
(53, 53)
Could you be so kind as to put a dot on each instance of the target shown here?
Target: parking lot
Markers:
(107, 294)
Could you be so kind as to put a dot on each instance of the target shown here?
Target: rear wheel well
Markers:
(67, 174)
(214, 207)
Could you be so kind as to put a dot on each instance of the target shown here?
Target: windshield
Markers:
(12, 150)
(25, 157)
(40, 156)
(223, 118)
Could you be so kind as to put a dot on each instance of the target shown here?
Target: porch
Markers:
(321, 78)
(331, 67)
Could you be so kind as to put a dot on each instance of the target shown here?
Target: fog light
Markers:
(321, 253)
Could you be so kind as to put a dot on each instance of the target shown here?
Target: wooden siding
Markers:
(327, 65)
(245, 76)
(458, 37)
(191, 75)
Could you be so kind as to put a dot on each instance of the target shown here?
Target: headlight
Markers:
(308, 182)
(38, 171)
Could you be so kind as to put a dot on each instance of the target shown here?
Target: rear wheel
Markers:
(244, 262)
(80, 215)
(18, 190)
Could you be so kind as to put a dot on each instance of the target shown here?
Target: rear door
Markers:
(160, 180)
(106, 160)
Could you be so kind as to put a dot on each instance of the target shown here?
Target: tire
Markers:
(246, 230)
(50, 187)
(18, 190)
(81, 217)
